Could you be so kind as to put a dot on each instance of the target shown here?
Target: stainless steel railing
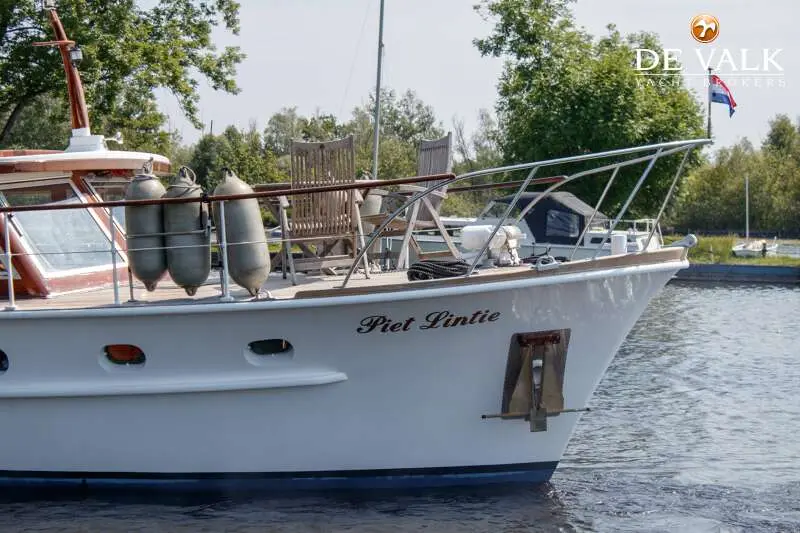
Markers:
(658, 151)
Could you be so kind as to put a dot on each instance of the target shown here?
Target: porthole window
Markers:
(271, 347)
(3, 362)
(124, 354)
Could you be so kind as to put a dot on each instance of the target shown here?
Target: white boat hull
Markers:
(347, 408)
(743, 250)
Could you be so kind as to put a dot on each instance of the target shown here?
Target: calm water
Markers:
(696, 427)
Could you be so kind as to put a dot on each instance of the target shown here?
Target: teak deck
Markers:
(277, 288)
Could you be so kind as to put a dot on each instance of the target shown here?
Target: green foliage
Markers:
(783, 137)
(404, 122)
(719, 249)
(242, 151)
(714, 196)
(565, 93)
(482, 149)
(43, 124)
(129, 51)
(462, 205)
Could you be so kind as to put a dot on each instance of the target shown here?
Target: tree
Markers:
(713, 198)
(282, 128)
(479, 151)
(129, 51)
(476, 152)
(241, 151)
(404, 123)
(43, 124)
(564, 93)
(782, 136)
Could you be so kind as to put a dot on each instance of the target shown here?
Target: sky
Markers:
(320, 56)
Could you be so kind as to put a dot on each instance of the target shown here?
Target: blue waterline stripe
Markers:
(380, 478)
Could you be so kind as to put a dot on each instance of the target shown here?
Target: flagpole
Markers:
(708, 125)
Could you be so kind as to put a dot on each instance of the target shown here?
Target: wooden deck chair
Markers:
(325, 219)
(434, 157)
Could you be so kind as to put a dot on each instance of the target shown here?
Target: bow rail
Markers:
(658, 150)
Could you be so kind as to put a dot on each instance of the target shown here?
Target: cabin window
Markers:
(562, 224)
(60, 240)
(3, 267)
(124, 354)
(110, 189)
(596, 240)
(3, 362)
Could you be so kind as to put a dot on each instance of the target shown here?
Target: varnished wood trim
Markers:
(619, 261)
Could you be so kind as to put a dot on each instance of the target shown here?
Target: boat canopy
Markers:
(559, 218)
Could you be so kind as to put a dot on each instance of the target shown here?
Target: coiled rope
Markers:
(435, 269)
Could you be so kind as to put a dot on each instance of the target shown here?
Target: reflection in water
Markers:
(694, 428)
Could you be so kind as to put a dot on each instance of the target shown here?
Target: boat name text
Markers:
(433, 320)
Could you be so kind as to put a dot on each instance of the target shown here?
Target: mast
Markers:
(70, 55)
(708, 124)
(376, 136)
(746, 208)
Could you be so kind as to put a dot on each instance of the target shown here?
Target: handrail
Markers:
(629, 200)
(666, 199)
(661, 150)
(504, 184)
(362, 184)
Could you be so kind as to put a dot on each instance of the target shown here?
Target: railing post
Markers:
(8, 258)
(223, 254)
(667, 197)
(130, 285)
(594, 213)
(114, 255)
(628, 202)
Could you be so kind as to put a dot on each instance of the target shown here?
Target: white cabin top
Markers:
(19, 163)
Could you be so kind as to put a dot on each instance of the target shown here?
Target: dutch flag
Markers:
(721, 94)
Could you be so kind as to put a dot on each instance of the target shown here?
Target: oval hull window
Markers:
(269, 347)
(3, 362)
(124, 354)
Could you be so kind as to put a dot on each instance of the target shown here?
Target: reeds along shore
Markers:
(717, 249)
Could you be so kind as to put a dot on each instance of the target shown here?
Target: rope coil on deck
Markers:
(435, 269)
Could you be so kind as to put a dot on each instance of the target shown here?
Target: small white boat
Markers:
(748, 248)
(758, 248)
(338, 381)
